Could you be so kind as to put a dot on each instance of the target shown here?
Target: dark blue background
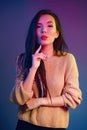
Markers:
(15, 16)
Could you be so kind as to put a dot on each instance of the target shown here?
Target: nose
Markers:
(44, 30)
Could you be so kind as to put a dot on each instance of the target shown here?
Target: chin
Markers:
(44, 43)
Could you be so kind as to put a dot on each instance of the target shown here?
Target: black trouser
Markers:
(22, 125)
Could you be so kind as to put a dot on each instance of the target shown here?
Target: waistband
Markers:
(23, 125)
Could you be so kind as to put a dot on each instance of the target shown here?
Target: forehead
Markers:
(46, 18)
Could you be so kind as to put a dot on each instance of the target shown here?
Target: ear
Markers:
(57, 34)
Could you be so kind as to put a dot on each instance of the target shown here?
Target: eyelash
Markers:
(38, 26)
(50, 25)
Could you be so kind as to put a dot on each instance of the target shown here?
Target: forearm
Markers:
(28, 83)
(54, 101)
(36, 102)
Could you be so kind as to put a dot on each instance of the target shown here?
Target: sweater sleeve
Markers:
(72, 94)
(18, 94)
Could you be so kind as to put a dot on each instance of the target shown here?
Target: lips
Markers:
(43, 37)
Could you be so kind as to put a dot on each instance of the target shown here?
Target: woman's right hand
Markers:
(37, 57)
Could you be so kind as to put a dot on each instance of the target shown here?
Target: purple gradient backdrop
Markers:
(15, 16)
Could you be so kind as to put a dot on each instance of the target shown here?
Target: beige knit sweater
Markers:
(62, 80)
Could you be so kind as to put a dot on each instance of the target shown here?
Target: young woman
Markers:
(47, 81)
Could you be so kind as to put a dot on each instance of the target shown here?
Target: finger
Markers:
(38, 50)
(41, 56)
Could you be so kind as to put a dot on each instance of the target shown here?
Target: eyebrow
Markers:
(47, 22)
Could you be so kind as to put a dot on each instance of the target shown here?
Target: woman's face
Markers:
(46, 30)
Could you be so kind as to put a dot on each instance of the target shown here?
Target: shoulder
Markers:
(70, 60)
(66, 56)
(70, 57)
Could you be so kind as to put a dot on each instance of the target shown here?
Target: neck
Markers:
(48, 50)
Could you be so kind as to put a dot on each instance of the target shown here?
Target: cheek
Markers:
(52, 39)
(38, 32)
(53, 35)
(38, 39)
(52, 32)
(37, 35)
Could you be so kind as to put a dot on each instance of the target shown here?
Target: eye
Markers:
(50, 25)
(38, 26)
